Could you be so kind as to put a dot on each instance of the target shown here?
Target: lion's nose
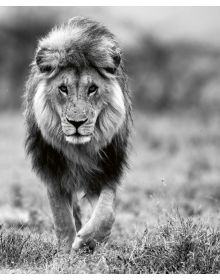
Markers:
(77, 124)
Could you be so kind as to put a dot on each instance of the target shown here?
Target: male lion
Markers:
(77, 117)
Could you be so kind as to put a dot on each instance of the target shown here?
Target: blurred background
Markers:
(172, 57)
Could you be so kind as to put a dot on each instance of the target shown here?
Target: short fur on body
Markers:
(78, 115)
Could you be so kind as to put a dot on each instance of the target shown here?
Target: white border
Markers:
(110, 3)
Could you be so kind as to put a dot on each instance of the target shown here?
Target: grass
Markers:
(168, 205)
(179, 246)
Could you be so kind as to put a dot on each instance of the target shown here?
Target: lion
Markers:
(78, 116)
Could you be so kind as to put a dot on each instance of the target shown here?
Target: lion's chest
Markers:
(80, 169)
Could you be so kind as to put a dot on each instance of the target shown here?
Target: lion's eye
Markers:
(92, 89)
(63, 89)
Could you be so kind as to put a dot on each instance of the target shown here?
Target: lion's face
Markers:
(83, 105)
(78, 99)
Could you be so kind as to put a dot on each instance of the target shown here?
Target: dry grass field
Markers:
(168, 203)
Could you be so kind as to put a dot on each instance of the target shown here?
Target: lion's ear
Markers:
(47, 60)
(116, 59)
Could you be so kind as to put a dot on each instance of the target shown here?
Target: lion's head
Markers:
(77, 87)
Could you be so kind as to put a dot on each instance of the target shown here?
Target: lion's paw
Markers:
(92, 233)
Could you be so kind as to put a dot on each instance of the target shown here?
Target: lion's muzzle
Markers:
(77, 122)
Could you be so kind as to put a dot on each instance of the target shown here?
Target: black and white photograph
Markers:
(109, 139)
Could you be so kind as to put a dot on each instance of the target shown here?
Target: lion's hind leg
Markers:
(77, 215)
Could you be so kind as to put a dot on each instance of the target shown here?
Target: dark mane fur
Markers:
(53, 167)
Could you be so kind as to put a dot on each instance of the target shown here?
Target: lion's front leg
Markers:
(99, 225)
(61, 206)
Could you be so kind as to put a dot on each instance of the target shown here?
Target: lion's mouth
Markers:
(77, 138)
(77, 134)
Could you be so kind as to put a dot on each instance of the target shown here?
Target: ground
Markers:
(167, 211)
